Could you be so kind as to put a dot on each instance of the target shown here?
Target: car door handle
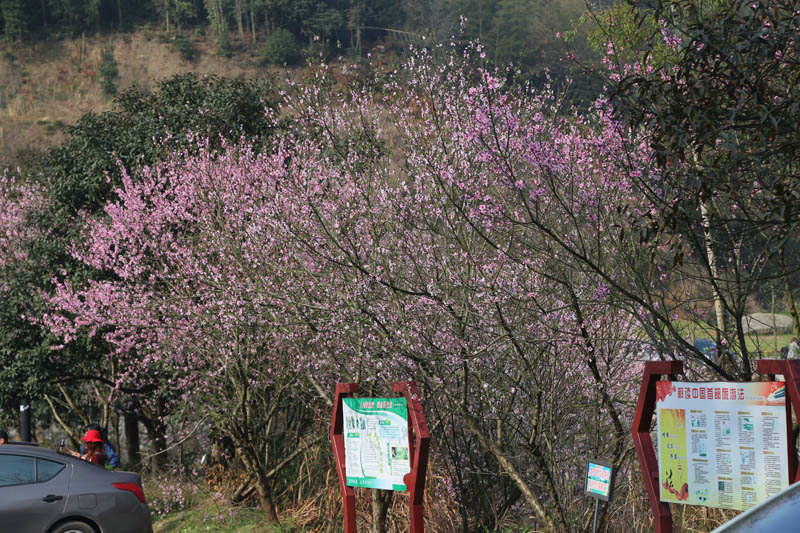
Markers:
(50, 498)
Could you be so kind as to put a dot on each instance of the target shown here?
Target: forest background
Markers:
(214, 211)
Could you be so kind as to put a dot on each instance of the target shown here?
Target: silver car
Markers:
(778, 514)
(42, 491)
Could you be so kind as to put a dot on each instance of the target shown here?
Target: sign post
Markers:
(599, 484)
(380, 443)
(418, 443)
(343, 390)
(643, 442)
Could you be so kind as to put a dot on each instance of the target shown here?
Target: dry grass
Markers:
(316, 504)
(322, 510)
(313, 504)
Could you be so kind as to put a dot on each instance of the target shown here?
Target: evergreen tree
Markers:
(109, 72)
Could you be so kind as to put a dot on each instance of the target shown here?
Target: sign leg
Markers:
(417, 522)
(349, 498)
(343, 390)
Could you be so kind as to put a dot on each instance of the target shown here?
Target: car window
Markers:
(16, 470)
(47, 470)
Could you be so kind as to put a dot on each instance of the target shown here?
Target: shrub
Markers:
(281, 48)
(109, 72)
(224, 46)
(185, 47)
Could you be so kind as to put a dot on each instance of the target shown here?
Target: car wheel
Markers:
(73, 527)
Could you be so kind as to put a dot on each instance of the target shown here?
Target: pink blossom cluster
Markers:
(17, 200)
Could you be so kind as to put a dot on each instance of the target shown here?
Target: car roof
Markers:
(24, 448)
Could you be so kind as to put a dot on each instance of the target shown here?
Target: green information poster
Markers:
(376, 442)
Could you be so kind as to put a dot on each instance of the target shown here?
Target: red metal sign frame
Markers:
(643, 420)
(343, 390)
(418, 448)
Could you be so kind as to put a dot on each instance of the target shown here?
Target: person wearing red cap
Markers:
(94, 448)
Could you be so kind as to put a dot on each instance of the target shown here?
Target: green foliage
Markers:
(737, 97)
(281, 48)
(185, 47)
(109, 72)
(14, 20)
(632, 30)
(723, 118)
(323, 22)
(206, 106)
(75, 16)
(522, 31)
(176, 13)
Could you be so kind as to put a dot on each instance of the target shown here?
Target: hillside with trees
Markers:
(62, 59)
(335, 192)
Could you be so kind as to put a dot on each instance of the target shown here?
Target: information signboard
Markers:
(599, 479)
(376, 442)
(721, 444)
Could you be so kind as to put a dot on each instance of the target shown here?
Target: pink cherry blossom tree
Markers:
(434, 225)
(503, 222)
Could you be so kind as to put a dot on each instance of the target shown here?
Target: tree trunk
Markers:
(253, 464)
(218, 18)
(219, 15)
(166, 15)
(381, 500)
(556, 523)
(155, 431)
(792, 306)
(115, 425)
(238, 6)
(75, 438)
(265, 495)
(253, 22)
(712, 269)
(132, 439)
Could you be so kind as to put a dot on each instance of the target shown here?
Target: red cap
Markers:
(92, 436)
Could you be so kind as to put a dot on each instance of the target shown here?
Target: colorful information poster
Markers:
(599, 480)
(721, 444)
(376, 442)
